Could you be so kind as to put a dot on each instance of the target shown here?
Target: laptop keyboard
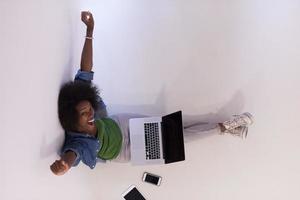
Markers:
(152, 141)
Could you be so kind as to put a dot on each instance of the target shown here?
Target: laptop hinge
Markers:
(163, 139)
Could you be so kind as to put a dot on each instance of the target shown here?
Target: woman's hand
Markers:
(88, 20)
(59, 167)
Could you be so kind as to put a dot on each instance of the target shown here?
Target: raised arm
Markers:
(87, 51)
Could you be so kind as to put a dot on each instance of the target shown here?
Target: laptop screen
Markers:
(172, 137)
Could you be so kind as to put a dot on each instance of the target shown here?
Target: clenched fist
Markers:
(87, 18)
(59, 167)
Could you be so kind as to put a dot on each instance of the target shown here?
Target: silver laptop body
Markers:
(141, 153)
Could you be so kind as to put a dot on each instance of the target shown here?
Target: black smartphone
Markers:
(132, 193)
(151, 178)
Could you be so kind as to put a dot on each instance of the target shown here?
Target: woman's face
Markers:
(86, 117)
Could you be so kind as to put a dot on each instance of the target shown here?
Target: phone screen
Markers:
(152, 179)
(134, 194)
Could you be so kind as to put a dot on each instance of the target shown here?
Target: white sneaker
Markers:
(241, 132)
(244, 119)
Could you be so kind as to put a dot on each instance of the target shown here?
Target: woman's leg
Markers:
(237, 126)
(198, 130)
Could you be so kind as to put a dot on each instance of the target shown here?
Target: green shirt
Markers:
(110, 136)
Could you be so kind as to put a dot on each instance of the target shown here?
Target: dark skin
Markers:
(84, 108)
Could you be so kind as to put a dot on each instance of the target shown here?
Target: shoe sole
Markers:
(250, 117)
(245, 134)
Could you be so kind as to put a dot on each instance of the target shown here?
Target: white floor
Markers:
(207, 58)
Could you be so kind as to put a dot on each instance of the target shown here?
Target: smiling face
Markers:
(86, 119)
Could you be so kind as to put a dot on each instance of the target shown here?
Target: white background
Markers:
(212, 58)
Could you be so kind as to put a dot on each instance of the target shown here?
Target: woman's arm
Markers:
(87, 51)
(60, 167)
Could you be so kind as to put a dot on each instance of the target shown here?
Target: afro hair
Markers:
(70, 94)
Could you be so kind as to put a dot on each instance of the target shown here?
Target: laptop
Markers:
(157, 140)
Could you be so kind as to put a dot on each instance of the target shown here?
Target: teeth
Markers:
(92, 120)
